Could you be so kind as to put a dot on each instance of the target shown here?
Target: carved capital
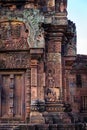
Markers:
(36, 53)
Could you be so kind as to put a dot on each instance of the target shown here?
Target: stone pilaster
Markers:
(59, 64)
(54, 65)
(34, 80)
(28, 93)
(36, 104)
(11, 96)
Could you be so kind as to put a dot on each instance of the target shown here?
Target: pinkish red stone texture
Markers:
(39, 78)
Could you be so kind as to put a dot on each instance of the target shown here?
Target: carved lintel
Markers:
(36, 51)
(14, 60)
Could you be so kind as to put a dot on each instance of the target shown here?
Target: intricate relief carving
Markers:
(14, 60)
(51, 80)
(32, 20)
(34, 76)
(69, 43)
(51, 5)
(41, 79)
(9, 29)
(52, 94)
(61, 5)
(4, 31)
(56, 57)
(53, 75)
(13, 36)
(15, 30)
(59, 21)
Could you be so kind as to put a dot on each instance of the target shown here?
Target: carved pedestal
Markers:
(37, 107)
(55, 113)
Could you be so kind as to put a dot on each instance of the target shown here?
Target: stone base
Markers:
(56, 117)
(36, 117)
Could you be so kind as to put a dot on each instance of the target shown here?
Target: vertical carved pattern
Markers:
(34, 76)
(41, 80)
(11, 95)
(13, 36)
(15, 30)
(33, 80)
(28, 92)
(33, 72)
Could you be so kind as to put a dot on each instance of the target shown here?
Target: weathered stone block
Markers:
(26, 127)
(53, 127)
(42, 127)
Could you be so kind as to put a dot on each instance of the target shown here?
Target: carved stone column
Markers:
(35, 114)
(34, 79)
(54, 66)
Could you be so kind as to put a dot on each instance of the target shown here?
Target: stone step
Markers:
(25, 126)
(9, 127)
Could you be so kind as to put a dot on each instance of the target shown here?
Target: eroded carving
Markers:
(32, 20)
(69, 43)
(14, 60)
(53, 57)
(13, 35)
(52, 94)
(61, 5)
